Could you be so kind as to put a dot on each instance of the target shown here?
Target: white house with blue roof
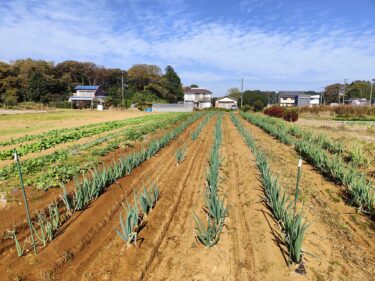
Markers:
(87, 96)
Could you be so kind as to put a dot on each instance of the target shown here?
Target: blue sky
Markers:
(273, 44)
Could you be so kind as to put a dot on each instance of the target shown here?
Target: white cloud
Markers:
(211, 53)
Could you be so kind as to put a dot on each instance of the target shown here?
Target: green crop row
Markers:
(360, 191)
(62, 131)
(356, 156)
(291, 221)
(215, 209)
(69, 135)
(197, 131)
(65, 159)
(92, 185)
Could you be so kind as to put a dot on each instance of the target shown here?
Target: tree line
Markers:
(357, 89)
(28, 80)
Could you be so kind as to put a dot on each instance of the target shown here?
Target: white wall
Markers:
(84, 93)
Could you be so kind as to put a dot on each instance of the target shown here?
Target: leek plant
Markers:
(148, 199)
(208, 235)
(291, 222)
(129, 228)
(215, 208)
(180, 154)
(66, 200)
(201, 125)
(20, 250)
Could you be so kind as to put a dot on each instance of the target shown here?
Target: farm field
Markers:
(12, 126)
(201, 196)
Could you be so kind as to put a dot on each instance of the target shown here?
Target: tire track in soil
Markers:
(340, 242)
(81, 229)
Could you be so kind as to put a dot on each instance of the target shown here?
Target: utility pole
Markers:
(241, 92)
(343, 97)
(372, 84)
(122, 88)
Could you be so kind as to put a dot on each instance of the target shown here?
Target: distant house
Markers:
(297, 98)
(226, 103)
(87, 96)
(357, 101)
(200, 97)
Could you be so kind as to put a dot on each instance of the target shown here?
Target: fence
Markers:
(172, 107)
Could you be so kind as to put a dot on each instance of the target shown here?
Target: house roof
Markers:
(188, 90)
(287, 94)
(226, 97)
(83, 87)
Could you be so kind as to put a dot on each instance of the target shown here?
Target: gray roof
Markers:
(188, 90)
(286, 94)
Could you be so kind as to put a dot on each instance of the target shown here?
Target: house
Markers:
(226, 103)
(200, 97)
(357, 101)
(87, 96)
(297, 98)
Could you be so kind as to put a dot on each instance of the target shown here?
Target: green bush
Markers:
(258, 105)
(246, 107)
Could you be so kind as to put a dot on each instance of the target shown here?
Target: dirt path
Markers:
(246, 250)
(340, 242)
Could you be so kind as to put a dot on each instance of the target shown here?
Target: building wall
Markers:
(225, 105)
(172, 107)
(84, 93)
(287, 101)
(205, 104)
(196, 97)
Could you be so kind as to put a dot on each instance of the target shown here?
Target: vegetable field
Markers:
(186, 196)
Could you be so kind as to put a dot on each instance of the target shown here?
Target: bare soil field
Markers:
(339, 244)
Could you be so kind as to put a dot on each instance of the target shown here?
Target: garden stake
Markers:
(25, 199)
(297, 184)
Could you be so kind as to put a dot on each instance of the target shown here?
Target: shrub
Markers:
(291, 114)
(258, 105)
(274, 111)
(246, 107)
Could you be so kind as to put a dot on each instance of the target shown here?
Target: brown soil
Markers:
(12, 215)
(97, 222)
(340, 242)
(246, 249)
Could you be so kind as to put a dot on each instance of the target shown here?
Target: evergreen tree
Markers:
(173, 85)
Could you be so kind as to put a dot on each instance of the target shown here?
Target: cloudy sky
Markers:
(273, 44)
